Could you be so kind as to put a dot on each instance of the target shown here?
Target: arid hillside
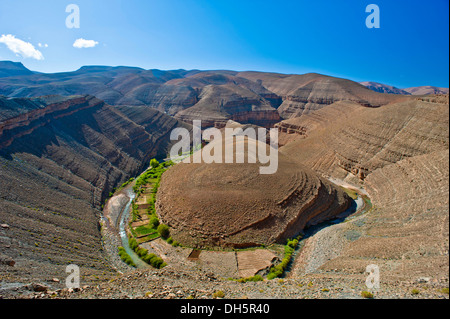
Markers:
(383, 88)
(399, 154)
(233, 205)
(302, 94)
(59, 159)
(213, 96)
(417, 90)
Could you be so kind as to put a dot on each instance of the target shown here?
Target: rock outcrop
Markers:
(383, 88)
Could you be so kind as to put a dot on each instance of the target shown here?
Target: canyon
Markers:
(60, 158)
(68, 140)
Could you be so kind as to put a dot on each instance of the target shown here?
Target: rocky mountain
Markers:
(424, 90)
(59, 159)
(213, 96)
(384, 88)
(9, 68)
(302, 94)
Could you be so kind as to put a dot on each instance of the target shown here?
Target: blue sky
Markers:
(411, 47)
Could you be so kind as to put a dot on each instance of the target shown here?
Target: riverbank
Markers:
(326, 241)
(114, 222)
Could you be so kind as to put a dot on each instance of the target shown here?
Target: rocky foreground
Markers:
(172, 283)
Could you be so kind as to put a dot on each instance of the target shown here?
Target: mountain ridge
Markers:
(416, 90)
(251, 97)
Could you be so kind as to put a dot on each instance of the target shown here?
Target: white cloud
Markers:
(43, 45)
(20, 47)
(82, 43)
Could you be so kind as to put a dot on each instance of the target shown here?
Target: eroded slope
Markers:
(399, 154)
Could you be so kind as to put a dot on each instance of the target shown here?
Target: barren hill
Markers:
(9, 68)
(425, 90)
(399, 154)
(213, 96)
(233, 205)
(302, 94)
(347, 138)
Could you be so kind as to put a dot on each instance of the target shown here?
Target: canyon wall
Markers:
(399, 154)
(58, 163)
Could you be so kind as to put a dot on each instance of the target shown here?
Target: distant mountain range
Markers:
(259, 98)
(418, 90)
(214, 96)
(9, 68)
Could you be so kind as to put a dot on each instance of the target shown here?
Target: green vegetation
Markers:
(126, 183)
(184, 155)
(154, 229)
(278, 270)
(133, 244)
(415, 291)
(173, 242)
(248, 279)
(151, 177)
(125, 257)
(154, 163)
(219, 294)
(155, 261)
(444, 290)
(144, 230)
(350, 192)
(367, 295)
(164, 231)
(154, 222)
(151, 259)
(134, 212)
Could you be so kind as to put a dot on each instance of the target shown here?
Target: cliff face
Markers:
(13, 128)
(58, 163)
(9, 68)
